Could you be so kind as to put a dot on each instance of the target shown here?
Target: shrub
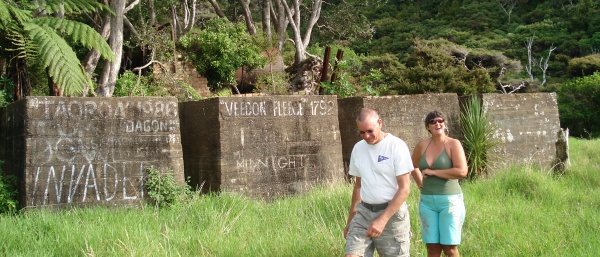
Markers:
(478, 137)
(126, 85)
(8, 193)
(6, 88)
(220, 49)
(584, 66)
(163, 190)
(578, 102)
(433, 68)
(274, 83)
(341, 86)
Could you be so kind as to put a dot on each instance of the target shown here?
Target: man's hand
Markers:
(345, 232)
(376, 227)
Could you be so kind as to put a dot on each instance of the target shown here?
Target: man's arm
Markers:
(353, 205)
(378, 224)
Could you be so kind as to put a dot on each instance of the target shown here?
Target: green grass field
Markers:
(520, 211)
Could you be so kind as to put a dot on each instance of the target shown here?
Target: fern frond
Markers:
(58, 58)
(81, 33)
(17, 44)
(10, 13)
(5, 17)
(70, 6)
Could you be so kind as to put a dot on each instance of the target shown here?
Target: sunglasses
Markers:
(434, 121)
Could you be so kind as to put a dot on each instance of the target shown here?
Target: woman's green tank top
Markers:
(433, 185)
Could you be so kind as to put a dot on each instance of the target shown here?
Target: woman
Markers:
(439, 162)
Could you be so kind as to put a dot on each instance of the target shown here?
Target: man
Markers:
(381, 164)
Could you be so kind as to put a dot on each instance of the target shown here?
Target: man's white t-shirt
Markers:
(378, 165)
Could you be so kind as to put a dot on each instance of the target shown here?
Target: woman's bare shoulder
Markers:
(453, 142)
(423, 141)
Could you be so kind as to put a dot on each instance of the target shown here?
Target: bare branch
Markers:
(543, 67)
(133, 4)
(139, 70)
(131, 27)
(530, 60)
(507, 7)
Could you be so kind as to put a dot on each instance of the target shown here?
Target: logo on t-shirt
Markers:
(381, 158)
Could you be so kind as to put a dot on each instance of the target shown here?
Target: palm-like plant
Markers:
(478, 137)
(32, 34)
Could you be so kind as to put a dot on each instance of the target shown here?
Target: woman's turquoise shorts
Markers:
(442, 218)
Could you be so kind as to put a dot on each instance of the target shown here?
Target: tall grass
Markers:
(521, 211)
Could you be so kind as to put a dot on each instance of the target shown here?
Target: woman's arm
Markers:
(416, 157)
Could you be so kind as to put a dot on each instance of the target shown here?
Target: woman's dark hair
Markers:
(432, 115)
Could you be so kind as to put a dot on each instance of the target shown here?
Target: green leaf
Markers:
(58, 57)
(81, 33)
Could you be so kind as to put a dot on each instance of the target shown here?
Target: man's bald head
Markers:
(366, 114)
(369, 126)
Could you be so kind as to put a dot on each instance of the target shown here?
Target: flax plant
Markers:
(478, 137)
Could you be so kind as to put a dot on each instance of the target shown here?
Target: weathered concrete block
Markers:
(527, 127)
(86, 151)
(261, 146)
(403, 116)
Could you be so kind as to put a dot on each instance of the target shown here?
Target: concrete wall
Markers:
(95, 150)
(402, 115)
(262, 146)
(84, 151)
(527, 127)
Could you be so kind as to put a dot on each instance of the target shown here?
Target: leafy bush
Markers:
(434, 67)
(353, 61)
(126, 85)
(341, 86)
(221, 48)
(578, 102)
(274, 83)
(163, 190)
(6, 88)
(8, 193)
(478, 137)
(584, 66)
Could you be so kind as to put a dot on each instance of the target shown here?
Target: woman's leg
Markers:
(451, 250)
(434, 250)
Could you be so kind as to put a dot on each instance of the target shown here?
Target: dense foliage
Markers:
(221, 48)
(572, 27)
(8, 193)
(578, 102)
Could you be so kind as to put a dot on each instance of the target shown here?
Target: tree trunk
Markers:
(266, 18)
(91, 60)
(294, 19)
(217, 9)
(110, 72)
(281, 21)
(20, 78)
(248, 16)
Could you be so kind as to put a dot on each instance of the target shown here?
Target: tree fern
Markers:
(24, 32)
(81, 33)
(58, 57)
(69, 6)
